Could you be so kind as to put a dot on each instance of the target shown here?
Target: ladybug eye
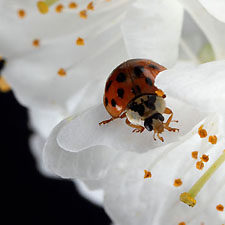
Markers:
(148, 124)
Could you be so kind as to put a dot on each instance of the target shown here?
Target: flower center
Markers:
(189, 197)
(43, 5)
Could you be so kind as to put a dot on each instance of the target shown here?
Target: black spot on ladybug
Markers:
(108, 85)
(151, 98)
(106, 101)
(2, 64)
(121, 77)
(133, 91)
(150, 102)
(120, 92)
(138, 88)
(148, 81)
(138, 70)
(153, 66)
(137, 108)
(113, 102)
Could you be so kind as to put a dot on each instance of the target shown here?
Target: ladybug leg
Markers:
(166, 125)
(160, 138)
(138, 129)
(113, 118)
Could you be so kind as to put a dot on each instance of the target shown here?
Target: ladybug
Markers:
(130, 92)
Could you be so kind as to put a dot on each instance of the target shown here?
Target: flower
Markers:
(111, 160)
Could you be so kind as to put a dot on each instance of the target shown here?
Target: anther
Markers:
(72, 5)
(147, 174)
(80, 41)
(83, 14)
(43, 6)
(177, 182)
(213, 139)
(90, 6)
(202, 132)
(61, 72)
(194, 154)
(189, 197)
(220, 207)
(21, 13)
(36, 43)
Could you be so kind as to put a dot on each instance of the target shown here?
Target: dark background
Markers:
(29, 197)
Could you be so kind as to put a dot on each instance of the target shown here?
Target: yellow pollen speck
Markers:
(72, 5)
(205, 158)
(80, 41)
(160, 93)
(21, 13)
(177, 182)
(42, 7)
(4, 87)
(202, 132)
(187, 199)
(213, 139)
(147, 174)
(220, 207)
(182, 223)
(59, 8)
(36, 43)
(90, 6)
(61, 72)
(199, 165)
(194, 154)
(83, 14)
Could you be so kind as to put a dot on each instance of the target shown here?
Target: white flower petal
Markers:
(217, 8)
(201, 86)
(83, 131)
(152, 30)
(155, 200)
(213, 28)
(91, 164)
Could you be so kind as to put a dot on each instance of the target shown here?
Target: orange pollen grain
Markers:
(21, 13)
(59, 8)
(220, 207)
(73, 5)
(202, 132)
(182, 223)
(147, 174)
(199, 165)
(80, 41)
(177, 182)
(205, 158)
(83, 14)
(90, 6)
(61, 72)
(213, 139)
(36, 43)
(194, 154)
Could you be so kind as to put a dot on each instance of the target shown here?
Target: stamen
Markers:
(83, 14)
(43, 6)
(61, 72)
(72, 5)
(199, 165)
(21, 13)
(177, 182)
(194, 154)
(147, 174)
(36, 43)
(90, 6)
(189, 197)
(80, 41)
(213, 139)
(202, 132)
(4, 87)
(220, 207)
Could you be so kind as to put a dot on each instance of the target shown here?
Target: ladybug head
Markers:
(154, 122)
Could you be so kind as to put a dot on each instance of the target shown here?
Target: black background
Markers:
(29, 197)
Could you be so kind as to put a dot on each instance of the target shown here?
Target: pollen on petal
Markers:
(80, 41)
(61, 72)
(147, 174)
(202, 132)
(72, 5)
(83, 14)
(194, 154)
(4, 87)
(90, 6)
(199, 165)
(177, 182)
(220, 207)
(205, 158)
(213, 139)
(42, 7)
(59, 8)
(21, 13)
(36, 43)
(182, 223)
